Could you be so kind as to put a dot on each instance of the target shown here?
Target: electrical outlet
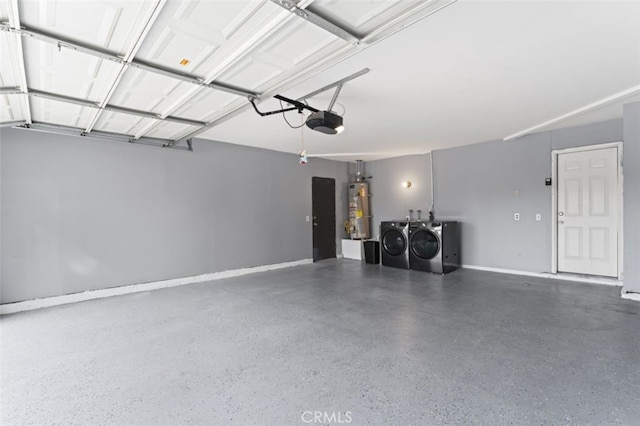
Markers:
(516, 216)
(538, 217)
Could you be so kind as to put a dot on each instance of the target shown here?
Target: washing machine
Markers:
(394, 243)
(433, 246)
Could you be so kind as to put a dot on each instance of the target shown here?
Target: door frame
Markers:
(334, 244)
(554, 201)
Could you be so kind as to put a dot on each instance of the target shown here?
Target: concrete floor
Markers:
(358, 343)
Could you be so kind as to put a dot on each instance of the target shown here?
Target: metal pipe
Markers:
(112, 108)
(118, 137)
(11, 91)
(14, 22)
(334, 84)
(12, 123)
(298, 104)
(335, 97)
(359, 171)
(433, 196)
(318, 20)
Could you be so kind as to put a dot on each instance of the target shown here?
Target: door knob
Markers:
(560, 213)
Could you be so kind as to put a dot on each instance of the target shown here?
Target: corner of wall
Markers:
(631, 190)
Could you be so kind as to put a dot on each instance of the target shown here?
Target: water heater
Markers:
(359, 210)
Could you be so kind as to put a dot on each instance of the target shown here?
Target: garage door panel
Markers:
(168, 130)
(109, 24)
(197, 36)
(61, 113)
(205, 103)
(67, 72)
(281, 55)
(116, 122)
(147, 91)
(11, 108)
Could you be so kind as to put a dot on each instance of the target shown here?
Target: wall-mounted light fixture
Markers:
(406, 184)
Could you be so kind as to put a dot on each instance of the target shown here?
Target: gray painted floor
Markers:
(363, 343)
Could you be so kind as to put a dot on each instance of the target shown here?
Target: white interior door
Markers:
(588, 212)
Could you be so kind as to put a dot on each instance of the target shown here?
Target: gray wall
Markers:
(81, 214)
(632, 197)
(477, 185)
(389, 200)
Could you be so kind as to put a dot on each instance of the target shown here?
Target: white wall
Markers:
(81, 214)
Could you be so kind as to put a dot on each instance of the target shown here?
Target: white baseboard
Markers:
(630, 296)
(500, 270)
(566, 277)
(28, 305)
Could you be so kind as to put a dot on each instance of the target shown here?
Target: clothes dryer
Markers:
(433, 246)
(394, 243)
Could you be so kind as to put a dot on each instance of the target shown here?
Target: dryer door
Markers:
(394, 242)
(425, 244)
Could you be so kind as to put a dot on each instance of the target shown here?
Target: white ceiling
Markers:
(465, 72)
